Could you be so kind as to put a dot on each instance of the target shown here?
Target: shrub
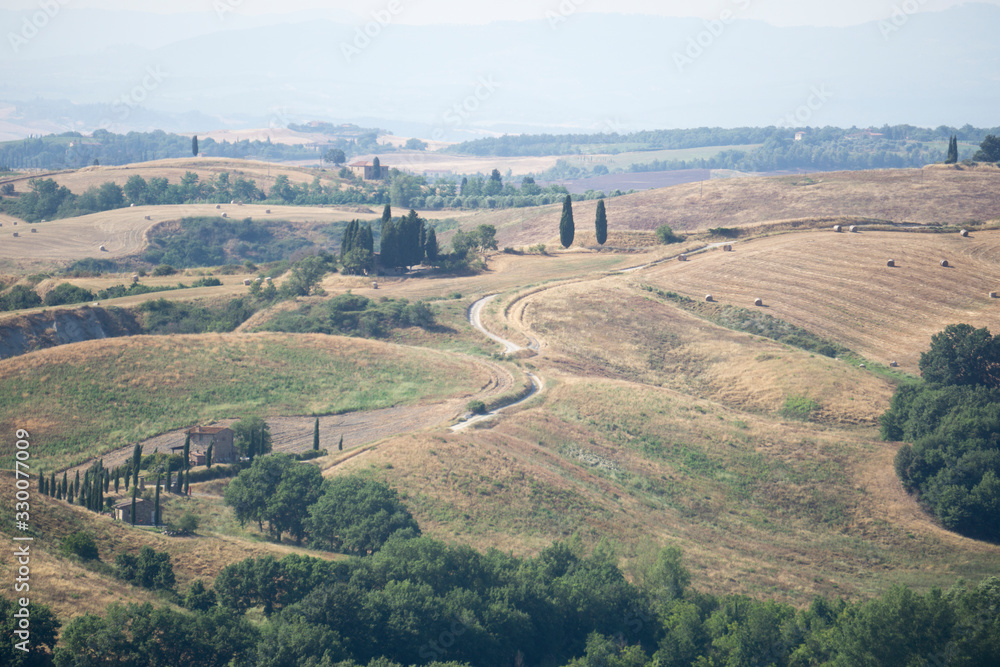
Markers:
(187, 524)
(164, 270)
(476, 407)
(66, 293)
(150, 569)
(799, 407)
(666, 235)
(80, 544)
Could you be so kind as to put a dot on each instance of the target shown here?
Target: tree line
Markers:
(418, 601)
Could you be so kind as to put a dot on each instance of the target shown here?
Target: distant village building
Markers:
(365, 169)
(799, 136)
(221, 439)
(143, 512)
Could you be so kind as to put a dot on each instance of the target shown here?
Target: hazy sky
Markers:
(777, 12)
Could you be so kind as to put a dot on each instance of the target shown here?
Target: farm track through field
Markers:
(293, 434)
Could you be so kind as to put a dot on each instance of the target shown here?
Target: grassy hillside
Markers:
(81, 400)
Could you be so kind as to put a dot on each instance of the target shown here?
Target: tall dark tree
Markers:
(431, 245)
(952, 150)
(601, 223)
(187, 483)
(132, 512)
(156, 505)
(52, 485)
(316, 435)
(376, 169)
(340, 445)
(136, 461)
(187, 451)
(194, 145)
(65, 484)
(566, 228)
(386, 214)
(208, 456)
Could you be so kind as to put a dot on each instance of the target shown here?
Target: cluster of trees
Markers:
(214, 241)
(419, 601)
(989, 149)
(406, 241)
(150, 569)
(346, 514)
(613, 142)
(953, 421)
(70, 150)
(357, 249)
(19, 297)
(353, 315)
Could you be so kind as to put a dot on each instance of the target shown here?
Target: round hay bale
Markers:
(374, 285)
(267, 211)
(149, 217)
(945, 263)
(131, 205)
(838, 228)
(682, 258)
(15, 233)
(709, 298)
(225, 215)
(246, 282)
(862, 366)
(727, 248)
(964, 232)
(853, 229)
(103, 249)
(893, 364)
(135, 277)
(218, 206)
(34, 231)
(758, 302)
(267, 279)
(993, 295)
(891, 262)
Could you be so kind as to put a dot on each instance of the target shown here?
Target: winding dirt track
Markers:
(294, 434)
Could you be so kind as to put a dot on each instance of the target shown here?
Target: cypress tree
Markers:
(117, 478)
(316, 435)
(136, 462)
(194, 145)
(208, 456)
(348, 241)
(65, 485)
(53, 488)
(376, 169)
(107, 480)
(69, 495)
(389, 249)
(340, 445)
(156, 506)
(76, 484)
(187, 483)
(169, 475)
(601, 223)
(132, 513)
(431, 245)
(386, 214)
(41, 483)
(566, 228)
(952, 150)
(187, 451)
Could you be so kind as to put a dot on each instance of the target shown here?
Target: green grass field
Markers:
(82, 400)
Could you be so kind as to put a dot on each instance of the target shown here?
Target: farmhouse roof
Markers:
(364, 163)
(128, 503)
(207, 430)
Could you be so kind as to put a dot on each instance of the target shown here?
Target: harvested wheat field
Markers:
(838, 286)
(938, 194)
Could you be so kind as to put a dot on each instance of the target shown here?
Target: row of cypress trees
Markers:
(567, 229)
